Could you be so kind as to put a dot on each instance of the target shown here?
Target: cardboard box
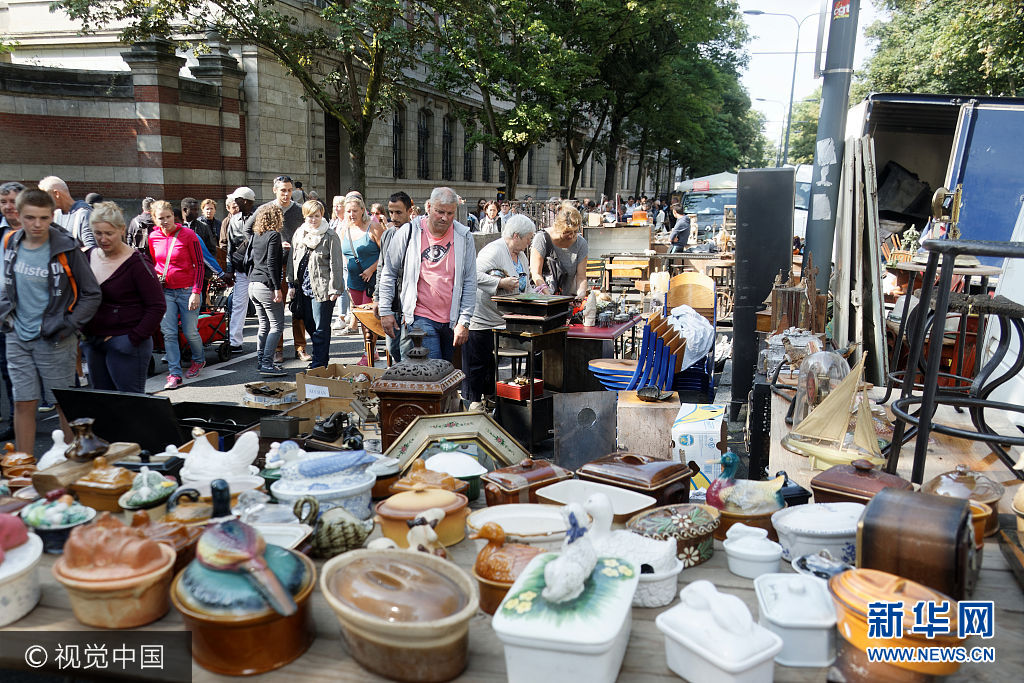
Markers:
(284, 394)
(699, 434)
(334, 381)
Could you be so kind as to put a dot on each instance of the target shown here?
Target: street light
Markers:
(778, 154)
(796, 53)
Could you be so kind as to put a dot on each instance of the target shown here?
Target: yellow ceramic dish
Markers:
(394, 514)
(853, 590)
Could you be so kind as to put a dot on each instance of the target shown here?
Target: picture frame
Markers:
(463, 428)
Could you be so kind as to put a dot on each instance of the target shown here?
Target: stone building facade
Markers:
(138, 121)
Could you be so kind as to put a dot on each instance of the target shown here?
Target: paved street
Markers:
(224, 382)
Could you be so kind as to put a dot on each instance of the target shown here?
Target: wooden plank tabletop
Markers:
(328, 658)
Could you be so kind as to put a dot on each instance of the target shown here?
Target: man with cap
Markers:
(238, 235)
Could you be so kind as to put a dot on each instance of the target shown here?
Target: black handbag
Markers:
(555, 275)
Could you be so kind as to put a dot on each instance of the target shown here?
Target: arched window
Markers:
(592, 166)
(501, 172)
(447, 139)
(486, 171)
(423, 130)
(529, 167)
(467, 156)
(398, 143)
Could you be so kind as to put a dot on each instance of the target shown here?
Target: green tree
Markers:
(507, 54)
(804, 131)
(350, 57)
(968, 47)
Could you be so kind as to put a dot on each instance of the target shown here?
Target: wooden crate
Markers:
(646, 427)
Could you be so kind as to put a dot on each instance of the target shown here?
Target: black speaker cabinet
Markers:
(764, 246)
(759, 427)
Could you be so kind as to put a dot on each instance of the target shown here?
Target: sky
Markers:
(768, 76)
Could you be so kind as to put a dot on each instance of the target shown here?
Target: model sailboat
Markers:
(821, 436)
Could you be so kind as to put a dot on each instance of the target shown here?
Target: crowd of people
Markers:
(81, 282)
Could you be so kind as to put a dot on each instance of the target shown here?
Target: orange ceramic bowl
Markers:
(121, 603)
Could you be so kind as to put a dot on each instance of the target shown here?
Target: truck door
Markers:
(986, 161)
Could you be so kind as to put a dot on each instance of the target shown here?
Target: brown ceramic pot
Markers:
(424, 651)
(252, 643)
(120, 603)
(394, 514)
(103, 487)
(762, 520)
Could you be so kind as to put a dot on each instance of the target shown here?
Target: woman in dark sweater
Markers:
(265, 277)
(119, 338)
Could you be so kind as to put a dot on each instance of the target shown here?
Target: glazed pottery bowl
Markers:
(394, 514)
(353, 495)
(431, 648)
(762, 520)
(54, 537)
(19, 581)
(691, 525)
(120, 603)
(530, 523)
(625, 503)
(855, 590)
(658, 589)
(289, 536)
(750, 553)
(250, 642)
(980, 516)
(491, 592)
(806, 529)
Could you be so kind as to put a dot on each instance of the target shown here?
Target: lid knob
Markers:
(797, 586)
(862, 466)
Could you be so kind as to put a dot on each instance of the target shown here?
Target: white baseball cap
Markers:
(243, 193)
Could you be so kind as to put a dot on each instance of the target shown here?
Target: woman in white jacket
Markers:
(501, 268)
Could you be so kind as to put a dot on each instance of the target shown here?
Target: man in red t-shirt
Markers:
(435, 257)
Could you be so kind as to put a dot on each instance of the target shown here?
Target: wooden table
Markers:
(328, 659)
(996, 581)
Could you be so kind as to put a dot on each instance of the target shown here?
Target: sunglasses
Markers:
(282, 179)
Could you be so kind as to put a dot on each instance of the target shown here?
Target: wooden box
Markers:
(519, 392)
(921, 537)
(519, 483)
(645, 426)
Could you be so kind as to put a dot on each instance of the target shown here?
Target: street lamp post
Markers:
(796, 54)
(778, 152)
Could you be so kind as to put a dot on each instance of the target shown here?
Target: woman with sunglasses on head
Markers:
(563, 241)
(360, 244)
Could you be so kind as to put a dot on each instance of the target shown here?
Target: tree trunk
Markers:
(640, 163)
(611, 157)
(357, 159)
(657, 176)
(511, 167)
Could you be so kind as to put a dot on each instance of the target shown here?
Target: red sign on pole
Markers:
(841, 9)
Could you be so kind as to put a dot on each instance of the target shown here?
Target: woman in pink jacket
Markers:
(178, 260)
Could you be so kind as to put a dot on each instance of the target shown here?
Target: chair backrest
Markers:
(695, 290)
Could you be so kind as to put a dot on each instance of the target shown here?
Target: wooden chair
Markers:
(697, 291)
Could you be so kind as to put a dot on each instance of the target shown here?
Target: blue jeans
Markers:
(398, 345)
(317, 315)
(118, 365)
(438, 339)
(177, 305)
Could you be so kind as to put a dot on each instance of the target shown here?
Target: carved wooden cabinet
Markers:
(417, 386)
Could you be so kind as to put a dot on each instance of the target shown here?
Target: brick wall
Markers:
(125, 135)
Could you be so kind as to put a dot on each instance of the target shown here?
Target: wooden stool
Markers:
(518, 358)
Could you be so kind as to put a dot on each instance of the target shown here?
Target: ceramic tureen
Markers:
(710, 637)
(115, 576)
(19, 583)
(204, 463)
(240, 591)
(568, 615)
(806, 529)
(333, 478)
